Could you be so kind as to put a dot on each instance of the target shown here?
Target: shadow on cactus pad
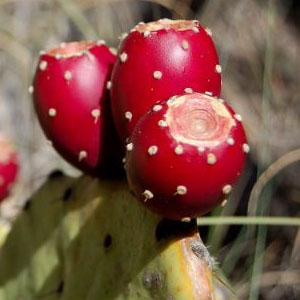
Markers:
(90, 239)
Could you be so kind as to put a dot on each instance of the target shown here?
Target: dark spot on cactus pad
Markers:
(158, 280)
(202, 253)
(167, 229)
(27, 204)
(147, 280)
(153, 280)
(107, 241)
(198, 249)
(67, 194)
(56, 174)
(60, 287)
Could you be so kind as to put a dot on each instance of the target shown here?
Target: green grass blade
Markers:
(78, 18)
(266, 221)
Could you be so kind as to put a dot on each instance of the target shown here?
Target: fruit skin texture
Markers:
(9, 166)
(185, 56)
(178, 179)
(72, 104)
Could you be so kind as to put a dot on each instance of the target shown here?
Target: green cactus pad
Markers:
(90, 239)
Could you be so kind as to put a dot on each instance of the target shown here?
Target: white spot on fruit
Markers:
(157, 107)
(52, 112)
(43, 65)
(129, 147)
(113, 50)
(68, 75)
(185, 44)
(123, 57)
(96, 114)
(211, 159)
(152, 150)
(88, 54)
(188, 90)
(30, 89)
(208, 93)
(230, 141)
(162, 123)
(208, 31)
(171, 100)
(218, 69)
(238, 117)
(195, 29)
(224, 202)
(82, 155)
(108, 85)
(101, 42)
(227, 189)
(148, 195)
(186, 220)
(178, 150)
(124, 160)
(58, 56)
(123, 36)
(181, 190)
(157, 74)
(201, 149)
(146, 33)
(128, 115)
(246, 148)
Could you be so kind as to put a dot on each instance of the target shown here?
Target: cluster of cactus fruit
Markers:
(157, 102)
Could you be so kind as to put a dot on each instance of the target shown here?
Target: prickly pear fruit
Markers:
(89, 239)
(72, 103)
(158, 60)
(8, 166)
(185, 154)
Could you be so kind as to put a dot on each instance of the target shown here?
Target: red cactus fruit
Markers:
(185, 154)
(158, 60)
(8, 166)
(71, 98)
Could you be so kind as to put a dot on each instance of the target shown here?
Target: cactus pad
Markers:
(90, 239)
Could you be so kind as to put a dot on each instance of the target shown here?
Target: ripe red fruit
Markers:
(158, 60)
(185, 154)
(8, 166)
(71, 98)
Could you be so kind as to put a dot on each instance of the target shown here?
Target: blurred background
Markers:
(259, 49)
